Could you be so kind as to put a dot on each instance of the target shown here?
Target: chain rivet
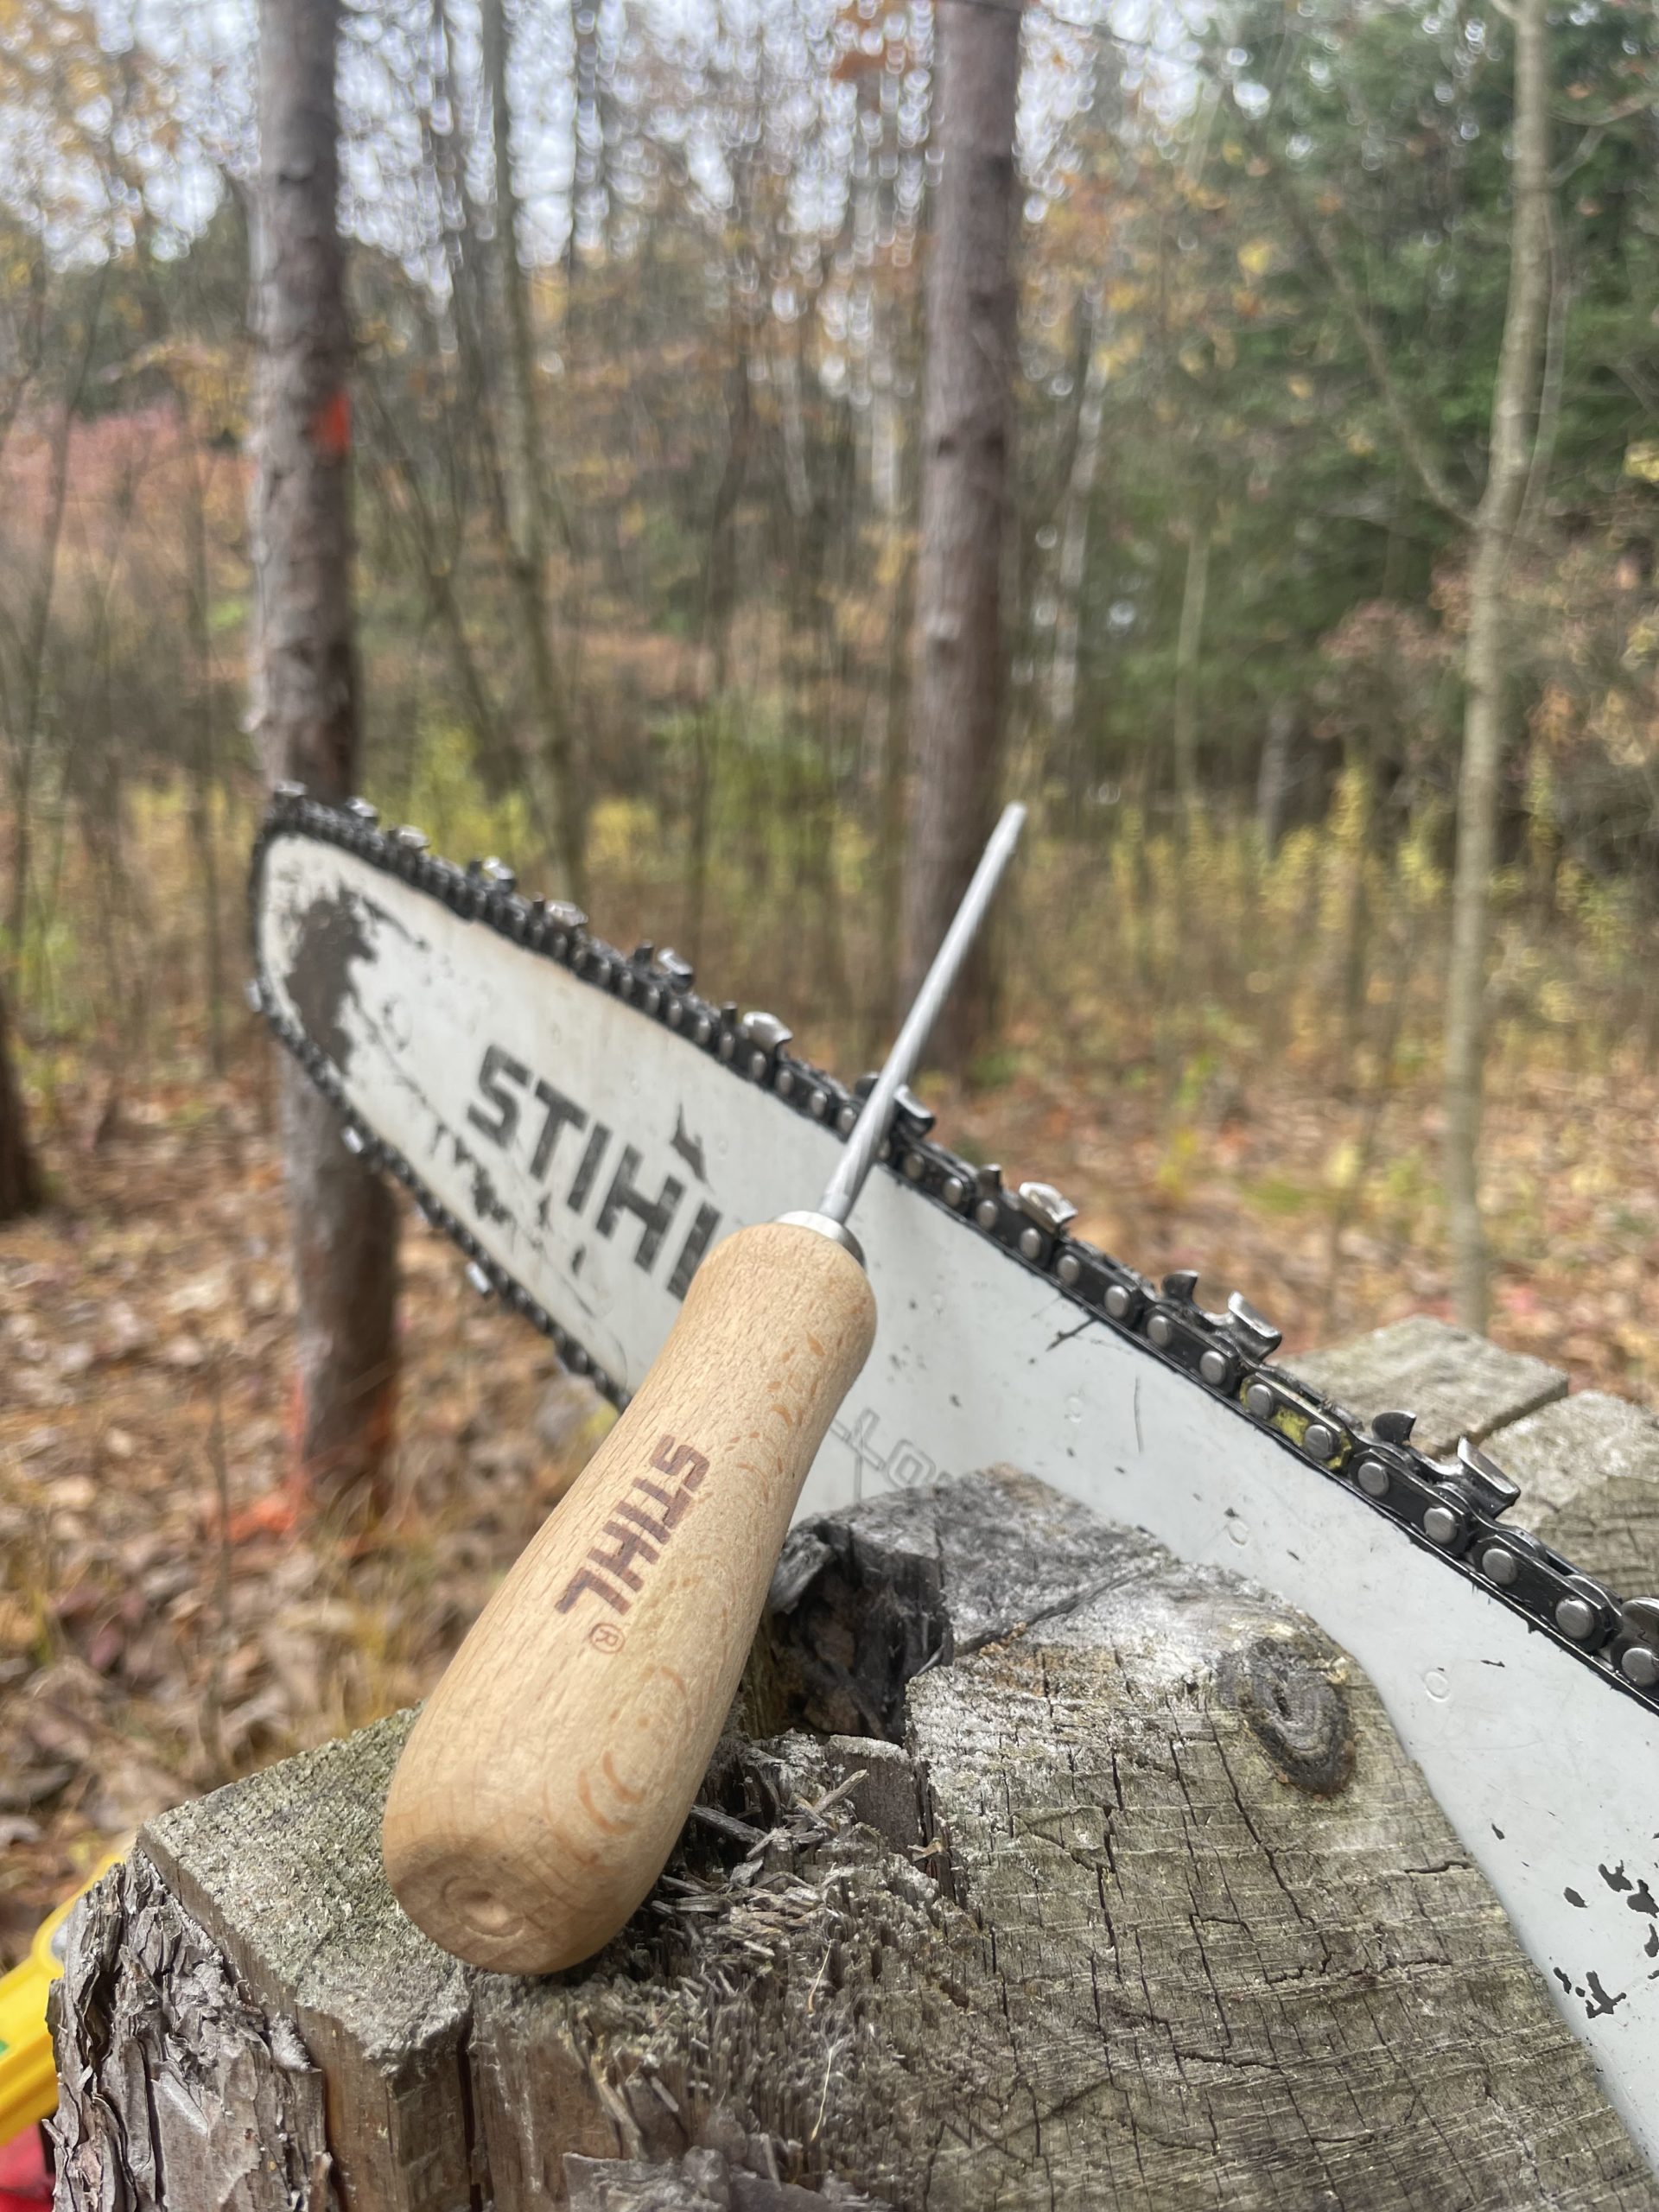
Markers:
(1640, 1666)
(915, 1166)
(953, 1190)
(786, 1083)
(1259, 1400)
(1321, 1441)
(1499, 1563)
(1030, 1244)
(1440, 1524)
(985, 1213)
(847, 1120)
(1162, 1329)
(1576, 1618)
(818, 1105)
(1119, 1302)
(1215, 1367)
(1069, 1267)
(1372, 1477)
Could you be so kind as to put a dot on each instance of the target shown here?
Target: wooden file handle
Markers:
(541, 1789)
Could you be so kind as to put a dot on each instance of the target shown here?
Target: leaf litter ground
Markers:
(144, 1343)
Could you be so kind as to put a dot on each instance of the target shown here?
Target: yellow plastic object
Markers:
(28, 2081)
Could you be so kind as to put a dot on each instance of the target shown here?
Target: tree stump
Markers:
(1037, 1869)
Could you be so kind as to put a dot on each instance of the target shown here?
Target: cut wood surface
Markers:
(1588, 1468)
(1043, 1870)
(1456, 1384)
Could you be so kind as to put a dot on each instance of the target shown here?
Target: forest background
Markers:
(1265, 257)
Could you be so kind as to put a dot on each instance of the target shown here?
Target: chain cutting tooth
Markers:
(1047, 1213)
(1049, 1208)
(765, 1035)
(479, 1278)
(766, 1030)
(1393, 1428)
(677, 973)
(360, 810)
(1257, 1337)
(909, 1112)
(289, 794)
(1484, 1481)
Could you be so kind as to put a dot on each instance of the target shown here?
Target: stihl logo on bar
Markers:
(639, 1526)
(502, 1080)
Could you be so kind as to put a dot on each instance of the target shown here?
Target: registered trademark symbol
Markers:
(605, 1636)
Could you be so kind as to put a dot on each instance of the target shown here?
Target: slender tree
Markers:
(344, 1225)
(22, 1189)
(967, 440)
(525, 467)
(1518, 441)
(1497, 527)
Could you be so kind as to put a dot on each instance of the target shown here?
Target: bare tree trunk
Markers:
(1188, 645)
(719, 602)
(1495, 534)
(1273, 784)
(26, 745)
(967, 437)
(345, 1226)
(21, 1187)
(525, 465)
(1074, 548)
(204, 777)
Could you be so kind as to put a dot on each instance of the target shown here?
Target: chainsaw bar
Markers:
(541, 1143)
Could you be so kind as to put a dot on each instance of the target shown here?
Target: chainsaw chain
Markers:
(1454, 1508)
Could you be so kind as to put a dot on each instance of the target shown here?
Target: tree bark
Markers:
(1495, 535)
(1189, 644)
(525, 467)
(1074, 547)
(966, 439)
(23, 1189)
(203, 765)
(1273, 784)
(344, 1220)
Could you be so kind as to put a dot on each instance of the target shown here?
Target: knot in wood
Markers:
(1299, 1717)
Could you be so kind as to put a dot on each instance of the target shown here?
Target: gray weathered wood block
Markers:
(1176, 1924)
(1588, 1468)
(279, 1876)
(1456, 1384)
